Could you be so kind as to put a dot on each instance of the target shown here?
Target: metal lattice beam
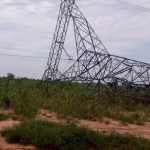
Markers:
(104, 73)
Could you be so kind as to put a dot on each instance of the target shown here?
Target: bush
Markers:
(5, 102)
(69, 137)
(3, 117)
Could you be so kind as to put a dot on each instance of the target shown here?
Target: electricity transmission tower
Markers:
(105, 74)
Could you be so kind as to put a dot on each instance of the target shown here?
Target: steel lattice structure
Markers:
(103, 72)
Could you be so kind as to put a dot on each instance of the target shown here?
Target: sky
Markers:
(27, 28)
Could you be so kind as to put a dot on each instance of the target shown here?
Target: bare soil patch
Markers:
(115, 126)
(49, 116)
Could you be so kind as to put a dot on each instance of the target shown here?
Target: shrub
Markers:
(70, 137)
(5, 102)
(3, 117)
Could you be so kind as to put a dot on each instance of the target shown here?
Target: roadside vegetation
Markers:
(70, 137)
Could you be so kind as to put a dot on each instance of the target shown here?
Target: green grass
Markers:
(4, 117)
(72, 101)
(69, 137)
(26, 96)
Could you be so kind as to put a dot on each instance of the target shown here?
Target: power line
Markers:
(25, 56)
(141, 8)
(28, 56)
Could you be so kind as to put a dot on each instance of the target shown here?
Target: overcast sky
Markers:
(27, 27)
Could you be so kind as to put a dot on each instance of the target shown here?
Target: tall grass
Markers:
(26, 97)
(72, 100)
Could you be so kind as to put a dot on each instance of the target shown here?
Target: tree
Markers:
(6, 101)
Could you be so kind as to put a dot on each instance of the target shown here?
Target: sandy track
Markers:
(114, 126)
(107, 126)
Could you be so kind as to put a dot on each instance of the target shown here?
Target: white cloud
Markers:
(27, 27)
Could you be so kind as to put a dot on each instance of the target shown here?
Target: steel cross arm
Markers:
(93, 65)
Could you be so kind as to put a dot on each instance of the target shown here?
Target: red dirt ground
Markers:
(107, 126)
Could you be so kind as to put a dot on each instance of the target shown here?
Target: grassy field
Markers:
(25, 97)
